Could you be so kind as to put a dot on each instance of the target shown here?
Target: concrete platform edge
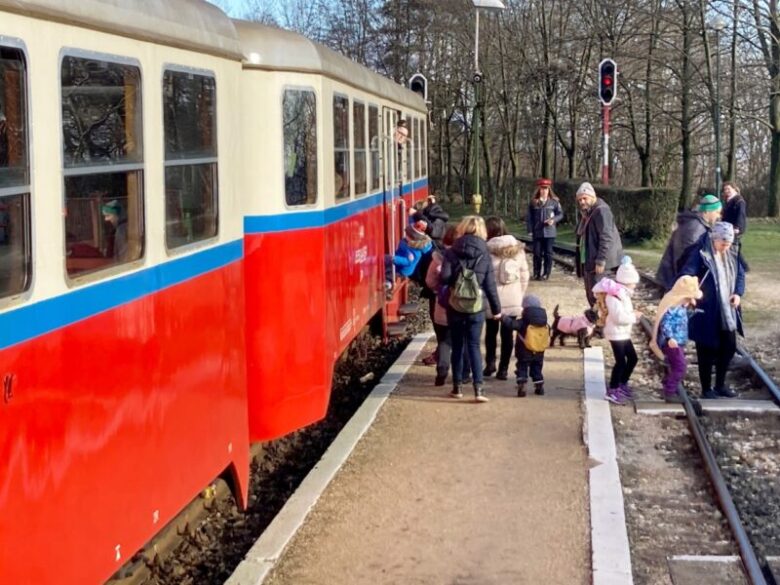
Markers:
(265, 553)
(611, 554)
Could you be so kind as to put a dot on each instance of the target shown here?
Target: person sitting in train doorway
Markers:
(544, 213)
(401, 133)
(411, 248)
(116, 231)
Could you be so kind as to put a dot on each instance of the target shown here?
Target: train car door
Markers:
(390, 186)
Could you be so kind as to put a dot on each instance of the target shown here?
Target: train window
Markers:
(416, 147)
(361, 159)
(300, 146)
(191, 191)
(103, 157)
(341, 146)
(374, 145)
(423, 148)
(15, 250)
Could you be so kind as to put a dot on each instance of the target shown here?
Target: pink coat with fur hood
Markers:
(511, 269)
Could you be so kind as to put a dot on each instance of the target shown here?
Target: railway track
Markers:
(758, 544)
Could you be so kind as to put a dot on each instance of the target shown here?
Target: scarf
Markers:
(725, 275)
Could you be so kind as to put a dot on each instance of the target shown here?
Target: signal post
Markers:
(607, 87)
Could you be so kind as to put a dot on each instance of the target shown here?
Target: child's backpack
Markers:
(508, 271)
(601, 309)
(465, 293)
(537, 338)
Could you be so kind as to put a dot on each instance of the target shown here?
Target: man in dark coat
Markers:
(436, 217)
(691, 226)
(598, 237)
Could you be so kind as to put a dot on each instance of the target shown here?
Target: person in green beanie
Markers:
(690, 227)
(116, 221)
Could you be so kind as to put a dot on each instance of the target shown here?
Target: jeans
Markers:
(492, 328)
(718, 356)
(466, 332)
(543, 251)
(625, 362)
(534, 364)
(675, 358)
(444, 352)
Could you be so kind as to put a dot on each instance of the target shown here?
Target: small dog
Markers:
(582, 327)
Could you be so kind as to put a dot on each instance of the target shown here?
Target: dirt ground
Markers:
(442, 491)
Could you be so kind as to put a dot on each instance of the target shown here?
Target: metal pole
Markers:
(605, 130)
(717, 113)
(477, 84)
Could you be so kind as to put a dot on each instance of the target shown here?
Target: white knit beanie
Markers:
(626, 273)
(586, 189)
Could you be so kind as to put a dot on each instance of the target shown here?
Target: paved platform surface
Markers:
(453, 492)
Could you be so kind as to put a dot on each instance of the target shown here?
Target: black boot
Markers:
(440, 379)
(479, 394)
(490, 368)
(457, 391)
(502, 374)
(521, 389)
(539, 388)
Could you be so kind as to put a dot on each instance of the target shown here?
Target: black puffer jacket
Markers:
(436, 218)
(472, 251)
(735, 213)
(688, 231)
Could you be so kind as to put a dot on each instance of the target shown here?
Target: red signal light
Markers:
(607, 81)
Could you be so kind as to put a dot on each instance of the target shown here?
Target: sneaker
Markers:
(710, 394)
(726, 392)
(456, 392)
(479, 395)
(615, 396)
(673, 398)
(627, 391)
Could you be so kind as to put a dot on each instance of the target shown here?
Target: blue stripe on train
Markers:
(296, 220)
(33, 320)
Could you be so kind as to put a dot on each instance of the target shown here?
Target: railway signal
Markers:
(419, 84)
(607, 90)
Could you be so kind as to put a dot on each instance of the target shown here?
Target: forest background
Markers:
(683, 65)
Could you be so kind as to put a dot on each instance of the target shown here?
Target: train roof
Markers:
(188, 24)
(271, 48)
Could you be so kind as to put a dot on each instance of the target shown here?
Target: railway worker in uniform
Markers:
(116, 221)
(690, 227)
(544, 213)
(598, 237)
(735, 212)
(468, 274)
(511, 271)
(714, 328)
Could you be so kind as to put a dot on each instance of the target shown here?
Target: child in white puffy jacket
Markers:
(621, 317)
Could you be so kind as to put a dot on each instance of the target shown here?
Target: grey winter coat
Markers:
(689, 230)
(599, 235)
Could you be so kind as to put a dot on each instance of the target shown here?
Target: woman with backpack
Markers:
(468, 274)
(507, 255)
(544, 213)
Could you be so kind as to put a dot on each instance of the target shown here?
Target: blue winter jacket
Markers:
(674, 325)
(401, 259)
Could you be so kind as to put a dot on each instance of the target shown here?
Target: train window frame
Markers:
(342, 150)
(416, 146)
(135, 177)
(375, 150)
(317, 158)
(22, 189)
(362, 150)
(424, 147)
(410, 140)
(195, 161)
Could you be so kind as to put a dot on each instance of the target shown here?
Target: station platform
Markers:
(423, 488)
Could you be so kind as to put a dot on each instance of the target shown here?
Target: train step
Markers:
(408, 309)
(396, 330)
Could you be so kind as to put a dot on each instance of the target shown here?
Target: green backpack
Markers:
(466, 294)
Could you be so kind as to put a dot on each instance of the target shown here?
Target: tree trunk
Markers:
(686, 196)
(731, 153)
(774, 162)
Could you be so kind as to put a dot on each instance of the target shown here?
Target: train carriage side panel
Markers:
(128, 389)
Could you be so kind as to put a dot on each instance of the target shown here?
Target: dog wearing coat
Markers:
(580, 327)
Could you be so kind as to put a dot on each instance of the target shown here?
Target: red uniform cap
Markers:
(543, 182)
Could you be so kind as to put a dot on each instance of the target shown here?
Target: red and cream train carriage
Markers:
(192, 227)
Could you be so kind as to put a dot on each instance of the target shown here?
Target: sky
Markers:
(234, 8)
